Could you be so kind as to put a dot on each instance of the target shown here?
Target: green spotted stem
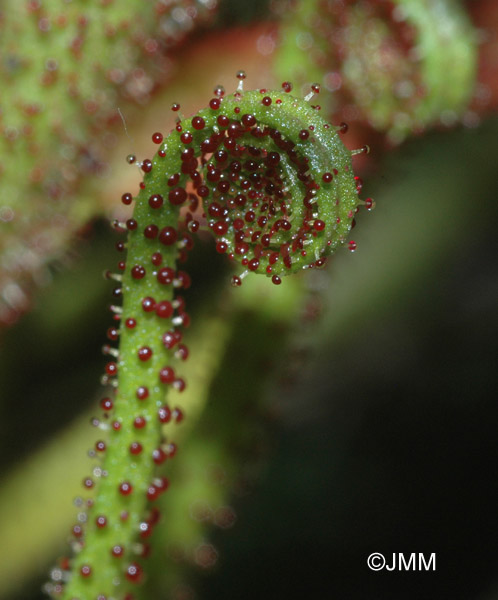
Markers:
(279, 194)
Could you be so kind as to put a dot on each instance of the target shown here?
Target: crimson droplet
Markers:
(139, 422)
(142, 392)
(148, 304)
(136, 448)
(164, 414)
(164, 309)
(156, 201)
(177, 196)
(166, 375)
(101, 521)
(151, 231)
(144, 353)
(198, 123)
(86, 571)
(168, 236)
(125, 488)
(147, 166)
(134, 573)
(138, 272)
(166, 275)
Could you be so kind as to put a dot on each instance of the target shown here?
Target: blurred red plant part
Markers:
(484, 14)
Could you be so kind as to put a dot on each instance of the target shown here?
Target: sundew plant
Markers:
(283, 389)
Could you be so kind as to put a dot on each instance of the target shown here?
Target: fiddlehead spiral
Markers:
(289, 196)
(279, 195)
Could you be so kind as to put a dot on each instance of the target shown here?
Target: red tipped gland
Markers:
(144, 353)
(125, 488)
(151, 231)
(220, 227)
(166, 375)
(248, 120)
(171, 338)
(178, 415)
(186, 137)
(166, 275)
(86, 571)
(134, 572)
(156, 201)
(148, 304)
(159, 456)
(152, 493)
(147, 166)
(164, 414)
(179, 384)
(101, 521)
(253, 264)
(111, 368)
(177, 196)
(113, 334)
(198, 123)
(142, 393)
(168, 236)
(182, 352)
(139, 422)
(164, 309)
(106, 404)
(138, 272)
(136, 448)
(117, 551)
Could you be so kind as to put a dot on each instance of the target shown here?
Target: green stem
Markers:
(124, 510)
(270, 171)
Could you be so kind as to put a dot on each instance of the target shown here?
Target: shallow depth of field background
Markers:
(379, 433)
